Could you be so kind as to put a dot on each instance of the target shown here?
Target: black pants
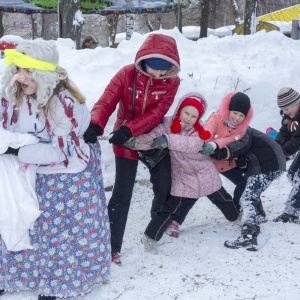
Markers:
(220, 198)
(161, 220)
(238, 178)
(118, 206)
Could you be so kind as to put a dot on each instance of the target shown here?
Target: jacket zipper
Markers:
(158, 93)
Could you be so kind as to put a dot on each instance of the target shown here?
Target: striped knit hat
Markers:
(287, 97)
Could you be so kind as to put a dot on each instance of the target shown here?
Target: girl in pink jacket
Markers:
(183, 134)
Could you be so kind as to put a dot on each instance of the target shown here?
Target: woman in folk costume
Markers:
(71, 238)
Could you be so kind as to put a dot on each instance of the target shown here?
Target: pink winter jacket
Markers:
(193, 174)
(222, 134)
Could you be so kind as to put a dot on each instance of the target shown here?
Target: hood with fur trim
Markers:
(176, 126)
(191, 94)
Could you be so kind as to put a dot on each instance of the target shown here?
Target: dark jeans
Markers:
(118, 206)
(219, 198)
(161, 220)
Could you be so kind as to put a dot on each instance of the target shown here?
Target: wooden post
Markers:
(295, 35)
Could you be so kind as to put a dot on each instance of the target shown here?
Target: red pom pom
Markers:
(204, 134)
(176, 126)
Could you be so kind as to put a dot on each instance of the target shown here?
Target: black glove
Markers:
(91, 134)
(120, 136)
(242, 163)
(12, 151)
(222, 153)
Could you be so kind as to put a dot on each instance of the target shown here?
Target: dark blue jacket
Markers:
(262, 153)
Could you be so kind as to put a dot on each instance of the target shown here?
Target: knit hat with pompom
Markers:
(198, 103)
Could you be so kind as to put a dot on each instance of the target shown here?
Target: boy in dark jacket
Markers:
(288, 137)
(263, 161)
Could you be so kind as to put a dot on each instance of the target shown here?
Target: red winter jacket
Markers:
(153, 96)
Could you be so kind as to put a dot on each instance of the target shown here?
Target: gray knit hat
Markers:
(287, 97)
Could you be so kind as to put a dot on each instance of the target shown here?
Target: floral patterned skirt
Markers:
(71, 238)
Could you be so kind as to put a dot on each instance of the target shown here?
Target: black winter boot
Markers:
(46, 297)
(2, 292)
(287, 218)
(248, 238)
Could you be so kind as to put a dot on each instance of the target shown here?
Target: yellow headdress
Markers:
(26, 62)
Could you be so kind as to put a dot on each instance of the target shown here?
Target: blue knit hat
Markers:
(158, 63)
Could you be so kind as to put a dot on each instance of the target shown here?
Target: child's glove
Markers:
(223, 153)
(161, 142)
(131, 143)
(209, 148)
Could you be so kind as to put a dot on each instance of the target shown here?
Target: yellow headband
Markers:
(26, 62)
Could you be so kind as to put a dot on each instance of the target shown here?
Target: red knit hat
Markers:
(198, 103)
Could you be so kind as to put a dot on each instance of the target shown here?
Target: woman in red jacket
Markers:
(144, 92)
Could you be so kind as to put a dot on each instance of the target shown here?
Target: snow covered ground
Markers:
(197, 265)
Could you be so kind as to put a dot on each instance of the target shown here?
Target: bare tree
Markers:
(34, 26)
(178, 14)
(148, 23)
(250, 15)
(71, 20)
(49, 26)
(112, 21)
(204, 18)
(235, 10)
(1, 24)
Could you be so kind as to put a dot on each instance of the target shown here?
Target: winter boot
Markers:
(150, 245)
(261, 216)
(173, 229)
(115, 258)
(46, 297)
(287, 218)
(248, 238)
(2, 292)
